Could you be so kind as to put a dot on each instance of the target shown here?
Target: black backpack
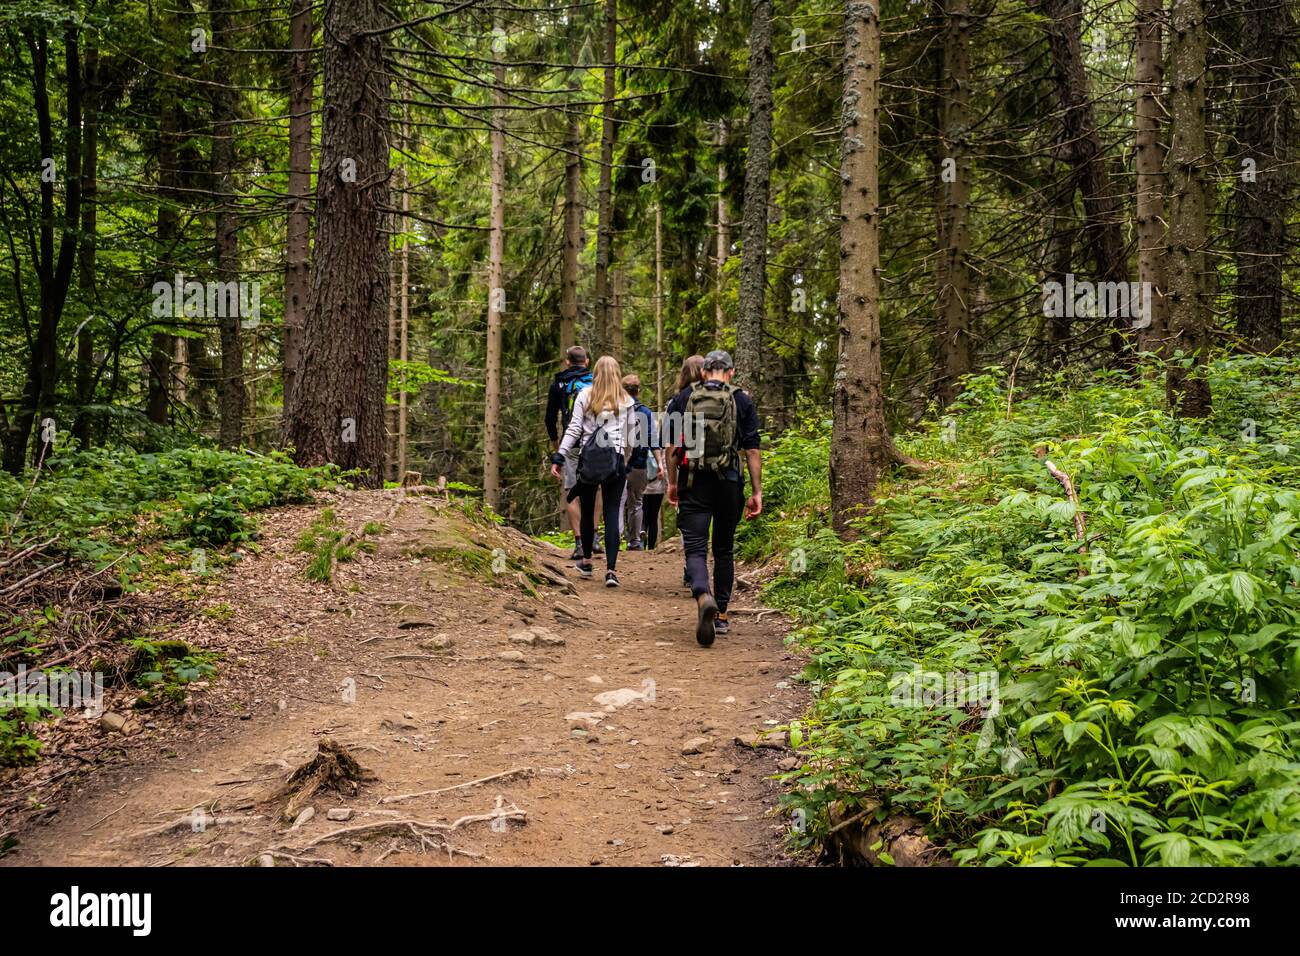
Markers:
(598, 460)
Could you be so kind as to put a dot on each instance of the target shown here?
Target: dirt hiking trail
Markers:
(510, 712)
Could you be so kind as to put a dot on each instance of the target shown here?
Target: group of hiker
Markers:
(612, 453)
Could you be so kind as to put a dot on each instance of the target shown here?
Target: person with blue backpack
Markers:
(563, 394)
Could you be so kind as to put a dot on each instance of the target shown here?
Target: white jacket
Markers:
(619, 426)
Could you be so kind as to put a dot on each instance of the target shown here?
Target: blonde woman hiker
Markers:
(600, 435)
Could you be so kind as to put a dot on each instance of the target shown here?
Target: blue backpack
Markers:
(571, 389)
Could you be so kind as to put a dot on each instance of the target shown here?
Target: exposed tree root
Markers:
(333, 768)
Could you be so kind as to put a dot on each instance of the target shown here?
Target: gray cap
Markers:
(718, 360)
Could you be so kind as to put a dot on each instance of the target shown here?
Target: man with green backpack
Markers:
(712, 426)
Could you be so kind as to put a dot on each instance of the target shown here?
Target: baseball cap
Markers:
(718, 360)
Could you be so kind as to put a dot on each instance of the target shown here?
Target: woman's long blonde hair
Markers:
(607, 393)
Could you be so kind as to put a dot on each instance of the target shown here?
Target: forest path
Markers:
(367, 662)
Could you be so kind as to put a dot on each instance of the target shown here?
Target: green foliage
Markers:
(164, 668)
(105, 501)
(1146, 693)
(18, 747)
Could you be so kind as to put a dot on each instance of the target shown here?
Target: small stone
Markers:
(595, 679)
(112, 723)
(266, 860)
(339, 813)
(516, 657)
(524, 637)
(439, 642)
(665, 828)
(697, 745)
(789, 763)
(303, 817)
(613, 699)
(577, 732)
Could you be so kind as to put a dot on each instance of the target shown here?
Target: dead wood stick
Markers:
(31, 577)
(1080, 528)
(503, 775)
(14, 559)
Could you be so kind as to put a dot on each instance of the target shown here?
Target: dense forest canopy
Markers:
(1037, 162)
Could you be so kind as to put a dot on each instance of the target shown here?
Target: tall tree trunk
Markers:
(337, 413)
(954, 289)
(162, 345)
(1265, 107)
(604, 191)
(616, 315)
(298, 229)
(54, 275)
(753, 231)
(230, 386)
(859, 442)
(85, 382)
(724, 234)
(496, 297)
(1104, 219)
(1150, 164)
(1189, 391)
(572, 234)
(659, 306)
(404, 315)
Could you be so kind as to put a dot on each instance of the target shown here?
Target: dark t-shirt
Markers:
(747, 435)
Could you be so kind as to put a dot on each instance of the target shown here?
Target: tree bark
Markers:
(604, 191)
(1150, 164)
(337, 414)
(53, 271)
(1188, 390)
(85, 381)
(1265, 108)
(1083, 149)
(859, 442)
(298, 229)
(954, 289)
(753, 231)
(572, 235)
(496, 296)
(230, 386)
(723, 235)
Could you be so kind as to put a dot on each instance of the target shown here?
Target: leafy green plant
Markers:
(1147, 687)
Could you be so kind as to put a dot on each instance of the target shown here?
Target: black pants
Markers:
(650, 505)
(612, 490)
(718, 502)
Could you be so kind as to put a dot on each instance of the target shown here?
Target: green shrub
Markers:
(1146, 690)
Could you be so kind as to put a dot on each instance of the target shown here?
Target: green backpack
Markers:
(713, 405)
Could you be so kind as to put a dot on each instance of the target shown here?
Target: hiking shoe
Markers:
(577, 553)
(611, 579)
(686, 578)
(633, 547)
(720, 626)
(704, 628)
(597, 547)
(584, 568)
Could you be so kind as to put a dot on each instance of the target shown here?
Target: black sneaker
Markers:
(720, 626)
(584, 568)
(596, 547)
(704, 628)
(577, 553)
(611, 579)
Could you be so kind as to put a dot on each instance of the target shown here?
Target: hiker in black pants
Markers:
(718, 426)
(599, 437)
(692, 369)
